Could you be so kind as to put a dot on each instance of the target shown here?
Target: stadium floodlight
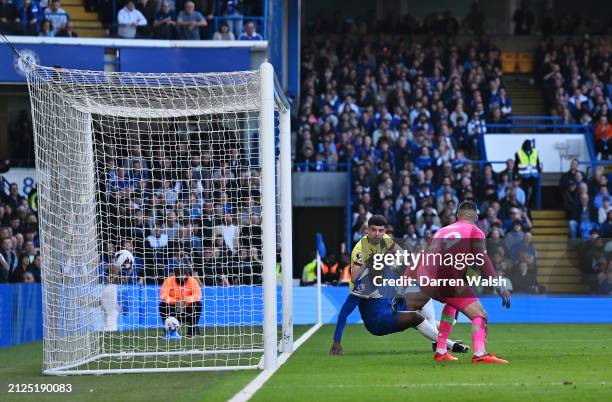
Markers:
(119, 155)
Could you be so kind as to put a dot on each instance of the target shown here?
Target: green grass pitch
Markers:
(556, 362)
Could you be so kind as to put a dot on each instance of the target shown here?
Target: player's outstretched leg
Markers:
(446, 324)
(424, 306)
(409, 319)
(477, 314)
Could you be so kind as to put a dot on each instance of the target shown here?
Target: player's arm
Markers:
(349, 305)
(479, 247)
(356, 262)
(196, 291)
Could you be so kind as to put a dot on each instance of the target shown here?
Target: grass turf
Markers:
(23, 364)
(547, 362)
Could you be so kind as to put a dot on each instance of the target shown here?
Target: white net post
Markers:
(286, 231)
(268, 214)
(180, 170)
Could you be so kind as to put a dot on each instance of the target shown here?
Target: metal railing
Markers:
(536, 127)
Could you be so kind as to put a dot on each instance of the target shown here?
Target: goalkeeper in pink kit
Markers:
(455, 248)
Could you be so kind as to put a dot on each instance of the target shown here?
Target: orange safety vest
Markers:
(345, 275)
(172, 292)
(328, 270)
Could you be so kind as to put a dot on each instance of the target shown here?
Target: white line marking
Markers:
(247, 392)
(439, 385)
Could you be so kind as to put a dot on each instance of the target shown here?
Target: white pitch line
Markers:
(247, 392)
(459, 384)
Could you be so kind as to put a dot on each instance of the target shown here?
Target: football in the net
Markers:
(124, 260)
(171, 324)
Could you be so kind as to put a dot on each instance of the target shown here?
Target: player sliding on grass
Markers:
(379, 314)
(461, 238)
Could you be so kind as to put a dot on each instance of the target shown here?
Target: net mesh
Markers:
(165, 166)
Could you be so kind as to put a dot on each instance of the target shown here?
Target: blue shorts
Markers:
(379, 317)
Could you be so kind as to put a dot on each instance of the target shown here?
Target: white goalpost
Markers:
(190, 173)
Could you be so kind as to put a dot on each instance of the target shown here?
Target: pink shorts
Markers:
(464, 299)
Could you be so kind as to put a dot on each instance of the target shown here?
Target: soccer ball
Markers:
(171, 325)
(124, 260)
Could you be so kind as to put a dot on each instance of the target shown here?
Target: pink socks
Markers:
(446, 324)
(479, 335)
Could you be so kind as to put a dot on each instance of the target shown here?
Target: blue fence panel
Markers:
(20, 314)
(21, 308)
(525, 308)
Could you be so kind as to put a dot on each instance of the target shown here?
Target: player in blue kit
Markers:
(379, 314)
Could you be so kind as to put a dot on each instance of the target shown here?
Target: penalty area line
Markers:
(247, 392)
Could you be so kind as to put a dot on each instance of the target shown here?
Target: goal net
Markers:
(185, 171)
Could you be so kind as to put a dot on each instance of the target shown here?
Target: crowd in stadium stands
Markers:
(577, 80)
(587, 203)
(436, 23)
(168, 19)
(552, 23)
(20, 260)
(35, 18)
(408, 118)
(183, 20)
(171, 208)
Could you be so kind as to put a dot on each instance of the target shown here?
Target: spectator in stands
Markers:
(605, 229)
(525, 246)
(148, 8)
(164, 23)
(521, 196)
(604, 279)
(250, 33)
(13, 199)
(228, 232)
(25, 267)
(172, 226)
(603, 134)
(570, 196)
(224, 32)
(474, 21)
(234, 10)
(505, 104)
(475, 128)
(158, 239)
(251, 268)
(67, 31)
(523, 19)
(57, 15)
(583, 218)
(524, 280)
(9, 18)
(189, 22)
(8, 260)
(45, 29)
(129, 19)
(570, 174)
(250, 235)
(515, 235)
(602, 211)
(29, 16)
(28, 277)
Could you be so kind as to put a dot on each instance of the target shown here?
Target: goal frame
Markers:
(272, 101)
